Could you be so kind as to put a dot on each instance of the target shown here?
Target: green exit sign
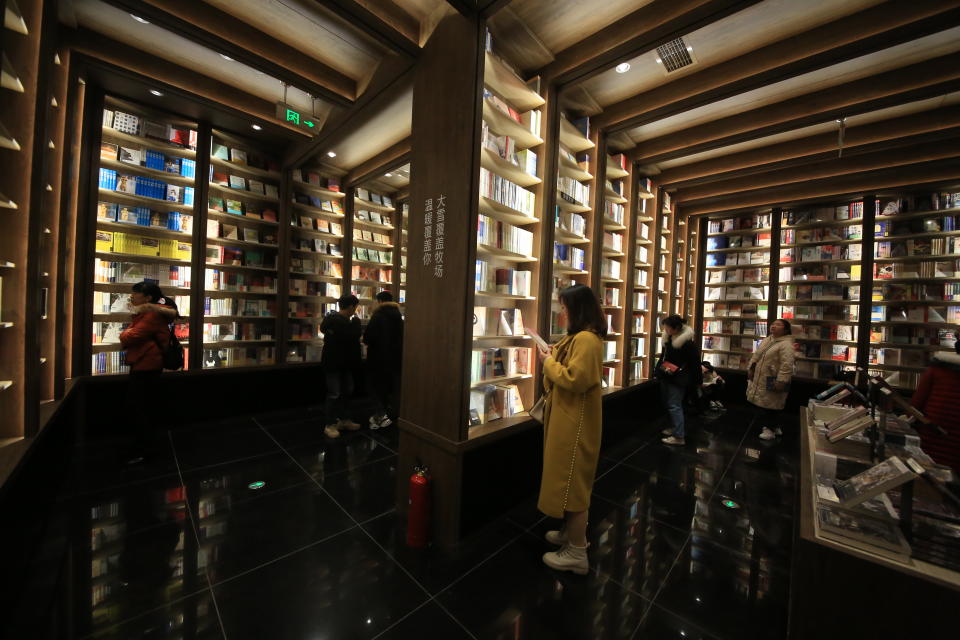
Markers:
(293, 116)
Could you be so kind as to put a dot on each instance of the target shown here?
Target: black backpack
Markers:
(173, 355)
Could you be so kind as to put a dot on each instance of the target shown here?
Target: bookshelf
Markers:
(318, 227)
(642, 296)
(915, 290)
(614, 254)
(508, 238)
(689, 287)
(241, 256)
(374, 242)
(820, 282)
(404, 236)
(144, 220)
(662, 258)
(736, 286)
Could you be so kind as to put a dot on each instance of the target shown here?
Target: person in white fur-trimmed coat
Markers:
(769, 377)
(678, 369)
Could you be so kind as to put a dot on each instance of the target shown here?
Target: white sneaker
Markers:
(568, 558)
(331, 431)
(558, 538)
(673, 441)
(769, 434)
(668, 431)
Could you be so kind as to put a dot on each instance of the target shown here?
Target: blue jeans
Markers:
(339, 389)
(672, 396)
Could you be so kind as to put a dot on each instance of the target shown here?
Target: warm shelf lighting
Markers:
(226, 57)
(388, 175)
(256, 127)
(139, 19)
(159, 94)
(331, 154)
(623, 67)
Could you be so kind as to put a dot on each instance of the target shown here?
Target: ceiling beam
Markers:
(927, 173)
(926, 79)
(643, 30)
(384, 21)
(96, 45)
(221, 32)
(853, 36)
(489, 8)
(466, 8)
(386, 160)
(923, 151)
(867, 134)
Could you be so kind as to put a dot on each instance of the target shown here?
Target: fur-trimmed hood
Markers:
(678, 340)
(947, 359)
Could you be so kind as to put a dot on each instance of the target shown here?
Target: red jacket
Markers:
(140, 341)
(938, 396)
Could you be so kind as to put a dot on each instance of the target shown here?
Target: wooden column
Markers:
(446, 162)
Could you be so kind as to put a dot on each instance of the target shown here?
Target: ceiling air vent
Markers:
(674, 55)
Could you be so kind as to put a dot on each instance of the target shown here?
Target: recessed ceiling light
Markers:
(139, 19)
(623, 67)
(659, 61)
(331, 154)
(226, 57)
(256, 127)
(388, 175)
(156, 93)
(689, 48)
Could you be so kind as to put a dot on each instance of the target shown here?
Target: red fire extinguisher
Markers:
(418, 513)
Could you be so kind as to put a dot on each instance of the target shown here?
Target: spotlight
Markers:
(623, 67)
(388, 175)
(226, 57)
(331, 154)
(139, 19)
(156, 93)
(256, 127)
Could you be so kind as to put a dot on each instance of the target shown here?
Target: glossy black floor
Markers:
(690, 543)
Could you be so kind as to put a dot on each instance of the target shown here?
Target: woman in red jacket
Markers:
(145, 341)
(938, 396)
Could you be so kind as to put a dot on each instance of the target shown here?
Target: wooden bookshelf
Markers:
(642, 282)
(374, 241)
(613, 202)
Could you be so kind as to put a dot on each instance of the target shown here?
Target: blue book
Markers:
(143, 216)
(154, 160)
(188, 195)
(108, 179)
(188, 168)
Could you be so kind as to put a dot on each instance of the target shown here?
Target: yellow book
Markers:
(147, 246)
(104, 241)
(855, 271)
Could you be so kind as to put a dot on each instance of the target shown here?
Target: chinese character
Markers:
(439, 243)
(440, 227)
(428, 218)
(428, 205)
(441, 201)
(438, 271)
(293, 116)
(426, 258)
(440, 215)
(427, 231)
(438, 256)
(427, 245)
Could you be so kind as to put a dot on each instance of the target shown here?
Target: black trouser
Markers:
(767, 417)
(383, 386)
(141, 387)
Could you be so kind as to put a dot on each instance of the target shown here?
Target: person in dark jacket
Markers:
(144, 341)
(678, 370)
(938, 396)
(341, 357)
(384, 340)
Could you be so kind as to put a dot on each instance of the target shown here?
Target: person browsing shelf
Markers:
(711, 388)
(144, 341)
(384, 340)
(938, 396)
(678, 370)
(340, 358)
(769, 376)
(572, 424)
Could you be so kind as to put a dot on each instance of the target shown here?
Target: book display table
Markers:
(859, 583)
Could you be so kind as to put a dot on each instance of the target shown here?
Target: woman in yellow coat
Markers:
(572, 423)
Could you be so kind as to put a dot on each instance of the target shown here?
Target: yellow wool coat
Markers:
(572, 423)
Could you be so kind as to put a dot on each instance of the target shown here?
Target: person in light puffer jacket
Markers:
(938, 397)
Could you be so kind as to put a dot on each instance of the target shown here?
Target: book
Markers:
(889, 474)
(850, 428)
(862, 527)
(108, 151)
(238, 156)
(480, 321)
(230, 232)
(238, 182)
(130, 156)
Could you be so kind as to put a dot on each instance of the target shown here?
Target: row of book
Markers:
(946, 291)
(639, 324)
(299, 331)
(317, 224)
(300, 287)
(501, 235)
(373, 255)
(221, 151)
(492, 321)
(506, 147)
(238, 357)
(613, 211)
(513, 282)
(610, 268)
(376, 274)
(574, 191)
(316, 266)
(112, 302)
(239, 183)
(757, 274)
(569, 256)
(111, 362)
(818, 292)
(643, 255)
(324, 204)
(734, 310)
(755, 221)
(499, 362)
(640, 277)
(530, 119)
(136, 126)
(917, 269)
(727, 360)
(823, 252)
(643, 230)
(148, 158)
(820, 351)
(363, 235)
(570, 222)
(821, 370)
(911, 335)
(638, 347)
(235, 257)
(144, 217)
(373, 196)
(852, 211)
(915, 358)
(725, 343)
(917, 247)
(365, 293)
(739, 241)
(235, 281)
(817, 272)
(299, 309)
(912, 313)
(898, 379)
(821, 234)
(306, 353)
(230, 331)
(740, 258)
(132, 244)
(237, 208)
(609, 349)
(492, 402)
(736, 293)
(934, 224)
(736, 327)
(315, 179)
(835, 312)
(254, 307)
(613, 240)
(374, 217)
(314, 245)
(611, 297)
(937, 201)
(145, 187)
(224, 231)
(111, 272)
(843, 332)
